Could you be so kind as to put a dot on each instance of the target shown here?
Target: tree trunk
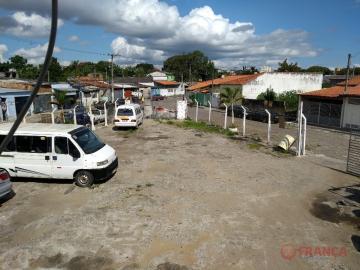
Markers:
(232, 113)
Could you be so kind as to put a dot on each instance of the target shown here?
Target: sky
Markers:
(232, 33)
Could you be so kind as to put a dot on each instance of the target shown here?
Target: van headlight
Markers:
(102, 163)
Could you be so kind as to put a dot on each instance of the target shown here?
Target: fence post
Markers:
(209, 112)
(225, 120)
(300, 112)
(197, 110)
(53, 116)
(75, 120)
(269, 125)
(115, 104)
(304, 134)
(106, 114)
(244, 120)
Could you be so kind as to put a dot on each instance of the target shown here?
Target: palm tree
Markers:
(231, 96)
(61, 100)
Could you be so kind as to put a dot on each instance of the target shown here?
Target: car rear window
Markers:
(125, 112)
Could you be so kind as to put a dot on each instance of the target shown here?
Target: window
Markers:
(73, 150)
(87, 140)
(23, 144)
(33, 144)
(61, 145)
(125, 112)
(11, 145)
(40, 144)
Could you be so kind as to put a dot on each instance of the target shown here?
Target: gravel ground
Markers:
(181, 200)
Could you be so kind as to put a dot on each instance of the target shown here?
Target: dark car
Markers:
(82, 117)
(238, 111)
(262, 116)
(156, 98)
(291, 116)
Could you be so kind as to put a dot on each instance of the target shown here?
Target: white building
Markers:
(254, 84)
(281, 82)
(158, 76)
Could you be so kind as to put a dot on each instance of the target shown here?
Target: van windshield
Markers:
(87, 140)
(125, 112)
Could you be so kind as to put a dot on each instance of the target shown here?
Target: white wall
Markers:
(351, 117)
(282, 82)
(166, 92)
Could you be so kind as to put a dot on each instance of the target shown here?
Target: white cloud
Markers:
(35, 55)
(22, 25)
(129, 54)
(65, 63)
(153, 29)
(3, 49)
(73, 38)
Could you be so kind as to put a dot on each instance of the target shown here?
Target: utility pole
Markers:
(347, 73)
(48, 75)
(112, 76)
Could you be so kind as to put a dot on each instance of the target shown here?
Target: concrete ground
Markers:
(184, 200)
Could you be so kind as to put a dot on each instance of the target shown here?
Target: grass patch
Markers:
(254, 146)
(199, 126)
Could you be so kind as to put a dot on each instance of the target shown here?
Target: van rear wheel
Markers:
(84, 178)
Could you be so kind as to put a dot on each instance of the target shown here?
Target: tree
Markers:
(193, 66)
(145, 67)
(55, 71)
(290, 99)
(18, 62)
(319, 69)
(286, 67)
(231, 96)
(268, 96)
(61, 100)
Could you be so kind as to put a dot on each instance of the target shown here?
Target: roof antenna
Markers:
(45, 67)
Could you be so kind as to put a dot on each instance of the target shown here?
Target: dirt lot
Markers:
(183, 200)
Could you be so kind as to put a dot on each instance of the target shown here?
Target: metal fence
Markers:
(323, 113)
(353, 161)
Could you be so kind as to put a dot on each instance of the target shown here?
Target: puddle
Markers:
(75, 263)
(355, 239)
(155, 138)
(322, 209)
(171, 266)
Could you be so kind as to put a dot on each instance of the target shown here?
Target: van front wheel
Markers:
(84, 178)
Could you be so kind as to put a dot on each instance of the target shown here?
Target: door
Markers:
(66, 158)
(33, 156)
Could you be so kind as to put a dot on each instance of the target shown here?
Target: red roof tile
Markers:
(354, 81)
(334, 92)
(229, 80)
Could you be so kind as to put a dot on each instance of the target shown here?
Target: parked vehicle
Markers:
(129, 115)
(291, 116)
(57, 151)
(238, 111)
(82, 117)
(5, 183)
(156, 98)
(99, 115)
(262, 116)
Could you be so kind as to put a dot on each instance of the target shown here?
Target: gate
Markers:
(353, 161)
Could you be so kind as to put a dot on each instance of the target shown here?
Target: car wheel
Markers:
(84, 178)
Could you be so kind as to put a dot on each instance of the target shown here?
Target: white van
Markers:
(57, 151)
(128, 115)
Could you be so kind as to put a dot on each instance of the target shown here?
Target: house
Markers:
(133, 84)
(334, 107)
(168, 88)
(253, 85)
(158, 76)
